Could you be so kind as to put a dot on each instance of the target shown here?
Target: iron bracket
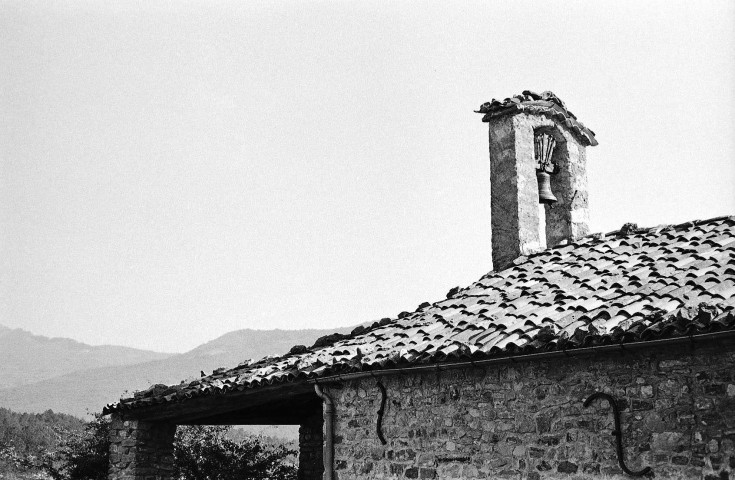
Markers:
(618, 433)
(379, 425)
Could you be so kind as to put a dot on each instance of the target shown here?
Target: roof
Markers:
(546, 104)
(630, 285)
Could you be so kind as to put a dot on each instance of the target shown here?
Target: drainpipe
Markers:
(328, 453)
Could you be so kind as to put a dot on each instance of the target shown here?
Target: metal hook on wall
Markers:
(618, 433)
(379, 425)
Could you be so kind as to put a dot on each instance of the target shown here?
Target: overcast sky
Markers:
(172, 171)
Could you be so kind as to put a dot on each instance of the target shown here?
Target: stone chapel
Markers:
(579, 355)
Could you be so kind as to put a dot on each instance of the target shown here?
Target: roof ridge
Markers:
(654, 229)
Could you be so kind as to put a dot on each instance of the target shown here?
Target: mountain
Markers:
(26, 358)
(85, 392)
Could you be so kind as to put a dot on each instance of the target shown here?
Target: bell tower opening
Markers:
(550, 154)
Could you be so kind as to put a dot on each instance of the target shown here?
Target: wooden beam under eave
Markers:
(291, 410)
(193, 411)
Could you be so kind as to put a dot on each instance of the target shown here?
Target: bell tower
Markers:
(538, 176)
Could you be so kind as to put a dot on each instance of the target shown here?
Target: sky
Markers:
(172, 171)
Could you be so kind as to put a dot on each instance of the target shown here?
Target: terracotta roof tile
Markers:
(546, 104)
(629, 285)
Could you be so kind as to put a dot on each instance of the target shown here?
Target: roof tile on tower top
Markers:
(631, 285)
(546, 104)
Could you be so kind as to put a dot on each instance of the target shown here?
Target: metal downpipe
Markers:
(328, 432)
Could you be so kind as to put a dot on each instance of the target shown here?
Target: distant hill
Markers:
(26, 358)
(87, 391)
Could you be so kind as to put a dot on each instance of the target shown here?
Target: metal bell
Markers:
(544, 188)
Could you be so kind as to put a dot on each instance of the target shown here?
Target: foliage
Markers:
(10, 461)
(26, 439)
(82, 455)
(207, 453)
(33, 433)
(65, 448)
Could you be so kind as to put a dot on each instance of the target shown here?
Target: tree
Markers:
(206, 453)
(10, 460)
(31, 434)
(82, 455)
(200, 453)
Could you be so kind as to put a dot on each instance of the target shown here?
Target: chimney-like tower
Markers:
(520, 223)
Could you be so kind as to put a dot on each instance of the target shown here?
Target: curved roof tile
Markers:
(579, 296)
(546, 104)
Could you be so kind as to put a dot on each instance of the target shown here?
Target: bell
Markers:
(544, 188)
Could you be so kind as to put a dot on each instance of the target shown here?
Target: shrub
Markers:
(200, 453)
(206, 453)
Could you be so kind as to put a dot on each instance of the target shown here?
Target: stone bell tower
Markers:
(535, 140)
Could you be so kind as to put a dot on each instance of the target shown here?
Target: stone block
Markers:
(567, 467)
(427, 473)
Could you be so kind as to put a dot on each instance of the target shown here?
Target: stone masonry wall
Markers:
(526, 420)
(311, 465)
(140, 450)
